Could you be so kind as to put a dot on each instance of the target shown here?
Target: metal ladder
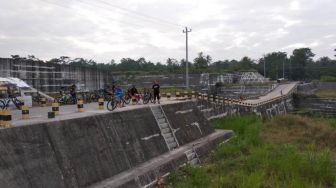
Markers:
(166, 130)
(192, 156)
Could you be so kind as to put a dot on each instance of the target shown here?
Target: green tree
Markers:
(202, 61)
(245, 63)
(273, 64)
(300, 58)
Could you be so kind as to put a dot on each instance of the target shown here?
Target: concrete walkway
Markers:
(282, 89)
(40, 114)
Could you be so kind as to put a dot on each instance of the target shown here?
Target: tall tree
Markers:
(202, 61)
(273, 64)
(300, 58)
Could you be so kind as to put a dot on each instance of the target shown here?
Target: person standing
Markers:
(156, 91)
(73, 93)
(118, 92)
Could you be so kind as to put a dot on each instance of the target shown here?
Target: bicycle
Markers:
(112, 104)
(148, 96)
(67, 99)
(127, 97)
(37, 98)
(4, 103)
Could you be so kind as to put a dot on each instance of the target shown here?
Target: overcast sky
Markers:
(111, 29)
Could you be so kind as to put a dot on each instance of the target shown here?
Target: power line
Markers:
(109, 10)
(78, 13)
(159, 20)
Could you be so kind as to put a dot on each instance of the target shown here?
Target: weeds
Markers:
(254, 157)
(326, 93)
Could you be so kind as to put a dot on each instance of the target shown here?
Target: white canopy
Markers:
(16, 81)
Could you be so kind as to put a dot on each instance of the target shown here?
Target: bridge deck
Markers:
(282, 89)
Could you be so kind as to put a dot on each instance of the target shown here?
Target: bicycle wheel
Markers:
(111, 105)
(145, 99)
(73, 100)
(127, 99)
(17, 103)
(2, 105)
(61, 101)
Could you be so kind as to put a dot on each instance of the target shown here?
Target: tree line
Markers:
(299, 65)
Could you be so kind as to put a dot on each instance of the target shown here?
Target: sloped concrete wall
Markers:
(83, 151)
(187, 121)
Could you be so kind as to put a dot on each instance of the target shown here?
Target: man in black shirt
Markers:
(156, 91)
(73, 93)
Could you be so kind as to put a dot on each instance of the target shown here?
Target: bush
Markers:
(328, 78)
(250, 161)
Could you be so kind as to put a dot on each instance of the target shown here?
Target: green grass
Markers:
(328, 78)
(173, 90)
(326, 93)
(252, 160)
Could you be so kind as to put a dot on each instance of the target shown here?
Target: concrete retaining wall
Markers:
(315, 103)
(313, 86)
(187, 121)
(83, 151)
(317, 106)
(215, 109)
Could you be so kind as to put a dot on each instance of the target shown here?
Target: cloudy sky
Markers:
(111, 29)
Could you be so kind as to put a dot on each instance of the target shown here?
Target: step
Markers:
(189, 151)
(172, 145)
(163, 125)
(200, 106)
(193, 162)
(165, 130)
(170, 140)
(191, 156)
(159, 116)
(155, 110)
(161, 120)
(167, 135)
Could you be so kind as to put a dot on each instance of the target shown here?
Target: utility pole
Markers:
(283, 68)
(265, 68)
(186, 31)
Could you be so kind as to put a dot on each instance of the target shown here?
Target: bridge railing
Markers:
(232, 101)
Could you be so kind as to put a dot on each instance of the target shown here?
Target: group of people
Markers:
(118, 92)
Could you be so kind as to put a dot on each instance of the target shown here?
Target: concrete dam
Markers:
(121, 149)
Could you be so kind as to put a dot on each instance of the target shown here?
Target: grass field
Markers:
(327, 93)
(288, 151)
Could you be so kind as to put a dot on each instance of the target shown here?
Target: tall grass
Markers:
(326, 93)
(248, 160)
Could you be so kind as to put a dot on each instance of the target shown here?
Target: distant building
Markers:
(49, 77)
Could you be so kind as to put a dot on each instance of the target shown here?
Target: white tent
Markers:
(24, 89)
(16, 81)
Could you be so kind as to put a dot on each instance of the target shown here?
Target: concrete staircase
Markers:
(166, 130)
(192, 157)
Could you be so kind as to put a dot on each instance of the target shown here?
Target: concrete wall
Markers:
(212, 109)
(83, 151)
(185, 120)
(49, 77)
(313, 86)
(317, 106)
